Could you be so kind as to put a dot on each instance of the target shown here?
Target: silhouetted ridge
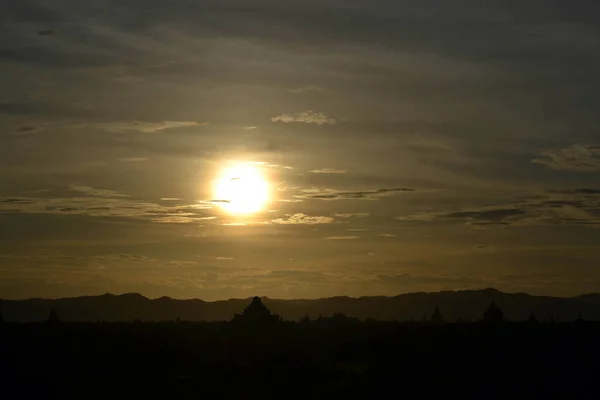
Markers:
(470, 305)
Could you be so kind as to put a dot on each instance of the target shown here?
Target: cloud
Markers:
(342, 237)
(149, 127)
(90, 191)
(175, 219)
(332, 194)
(311, 88)
(576, 207)
(388, 235)
(307, 117)
(499, 215)
(133, 159)
(249, 128)
(224, 258)
(302, 219)
(327, 171)
(575, 158)
(351, 215)
(267, 164)
(589, 191)
(106, 206)
(29, 128)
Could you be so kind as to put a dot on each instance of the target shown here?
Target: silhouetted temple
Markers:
(493, 314)
(532, 318)
(437, 317)
(256, 314)
(53, 318)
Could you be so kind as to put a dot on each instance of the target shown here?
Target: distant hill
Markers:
(468, 305)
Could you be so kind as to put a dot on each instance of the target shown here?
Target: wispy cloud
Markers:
(174, 219)
(575, 158)
(133, 159)
(249, 128)
(327, 171)
(311, 88)
(307, 117)
(149, 127)
(342, 237)
(90, 191)
(332, 194)
(106, 206)
(352, 215)
(579, 207)
(29, 128)
(302, 219)
(387, 235)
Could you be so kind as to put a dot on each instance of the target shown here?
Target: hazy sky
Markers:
(409, 146)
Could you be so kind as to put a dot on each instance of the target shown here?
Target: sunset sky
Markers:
(403, 146)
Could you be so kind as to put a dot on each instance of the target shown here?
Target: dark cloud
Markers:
(591, 191)
(496, 215)
(15, 200)
(351, 215)
(575, 158)
(331, 194)
(578, 209)
(96, 192)
(103, 203)
(27, 128)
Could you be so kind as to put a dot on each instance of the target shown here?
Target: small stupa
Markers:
(493, 314)
(53, 319)
(437, 317)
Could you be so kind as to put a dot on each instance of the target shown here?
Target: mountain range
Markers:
(468, 305)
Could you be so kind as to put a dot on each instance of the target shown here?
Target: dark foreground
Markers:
(300, 361)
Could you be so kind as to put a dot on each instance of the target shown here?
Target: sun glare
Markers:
(241, 189)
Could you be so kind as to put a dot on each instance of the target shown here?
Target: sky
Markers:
(407, 146)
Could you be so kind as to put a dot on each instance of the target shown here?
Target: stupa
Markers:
(493, 314)
(256, 314)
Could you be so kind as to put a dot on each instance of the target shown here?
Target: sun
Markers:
(241, 189)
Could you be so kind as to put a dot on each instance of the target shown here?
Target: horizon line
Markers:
(298, 299)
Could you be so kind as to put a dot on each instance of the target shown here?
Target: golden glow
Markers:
(241, 189)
